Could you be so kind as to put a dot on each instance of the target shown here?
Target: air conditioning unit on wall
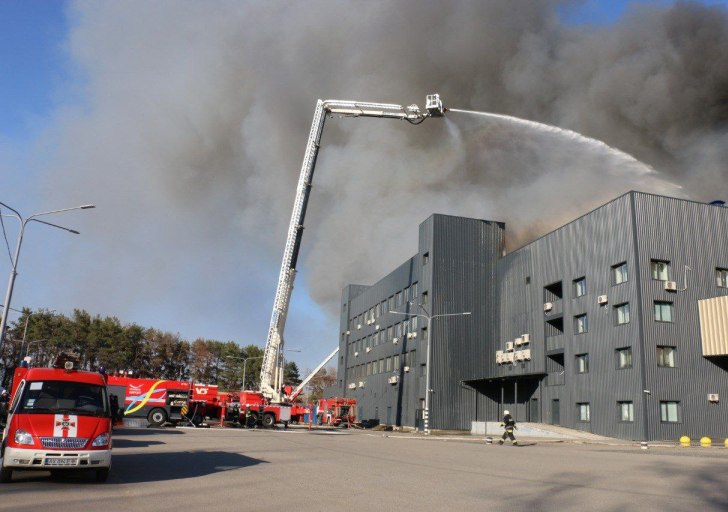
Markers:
(548, 306)
(713, 397)
(671, 286)
(509, 346)
(602, 299)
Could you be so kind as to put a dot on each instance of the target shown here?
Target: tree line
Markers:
(145, 352)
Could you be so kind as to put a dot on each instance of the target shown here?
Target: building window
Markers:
(660, 270)
(369, 369)
(580, 287)
(396, 362)
(389, 365)
(426, 258)
(666, 357)
(626, 411)
(619, 273)
(580, 324)
(624, 358)
(390, 303)
(423, 370)
(663, 311)
(669, 412)
(424, 298)
(414, 290)
(584, 413)
(621, 312)
(582, 363)
(721, 277)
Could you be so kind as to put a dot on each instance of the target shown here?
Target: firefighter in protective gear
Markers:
(508, 424)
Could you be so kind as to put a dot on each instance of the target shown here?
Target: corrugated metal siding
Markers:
(587, 247)
(377, 398)
(462, 268)
(506, 297)
(685, 233)
(714, 326)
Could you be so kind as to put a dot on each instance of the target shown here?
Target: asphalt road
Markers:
(297, 470)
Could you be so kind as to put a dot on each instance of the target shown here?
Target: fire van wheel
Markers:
(102, 474)
(269, 420)
(157, 417)
(6, 475)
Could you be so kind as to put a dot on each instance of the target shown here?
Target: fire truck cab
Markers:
(59, 419)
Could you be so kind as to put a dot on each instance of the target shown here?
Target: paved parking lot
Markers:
(298, 470)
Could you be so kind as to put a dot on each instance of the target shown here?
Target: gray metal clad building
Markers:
(616, 323)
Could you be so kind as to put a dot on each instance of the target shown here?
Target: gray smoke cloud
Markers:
(197, 115)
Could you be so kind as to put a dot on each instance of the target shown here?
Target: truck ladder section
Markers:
(305, 381)
(271, 373)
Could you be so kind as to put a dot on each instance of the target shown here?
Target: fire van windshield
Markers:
(63, 397)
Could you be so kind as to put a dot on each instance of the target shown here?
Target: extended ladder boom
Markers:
(305, 381)
(271, 374)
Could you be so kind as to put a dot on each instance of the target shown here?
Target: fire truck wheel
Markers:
(157, 417)
(102, 474)
(269, 420)
(196, 420)
(251, 421)
(6, 474)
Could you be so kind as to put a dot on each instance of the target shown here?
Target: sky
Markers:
(185, 123)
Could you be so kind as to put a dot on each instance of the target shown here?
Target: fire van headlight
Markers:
(101, 440)
(22, 437)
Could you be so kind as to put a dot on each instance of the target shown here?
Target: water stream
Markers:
(575, 136)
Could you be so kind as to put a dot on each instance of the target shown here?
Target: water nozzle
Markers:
(433, 105)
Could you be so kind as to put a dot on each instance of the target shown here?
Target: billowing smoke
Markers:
(198, 113)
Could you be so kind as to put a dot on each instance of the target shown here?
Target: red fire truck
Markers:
(59, 419)
(208, 401)
(336, 411)
(158, 400)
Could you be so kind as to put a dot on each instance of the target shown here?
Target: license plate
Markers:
(61, 461)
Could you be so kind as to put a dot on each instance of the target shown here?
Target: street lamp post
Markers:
(428, 391)
(246, 359)
(245, 362)
(37, 352)
(25, 330)
(14, 262)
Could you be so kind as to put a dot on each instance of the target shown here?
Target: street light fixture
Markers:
(428, 391)
(14, 261)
